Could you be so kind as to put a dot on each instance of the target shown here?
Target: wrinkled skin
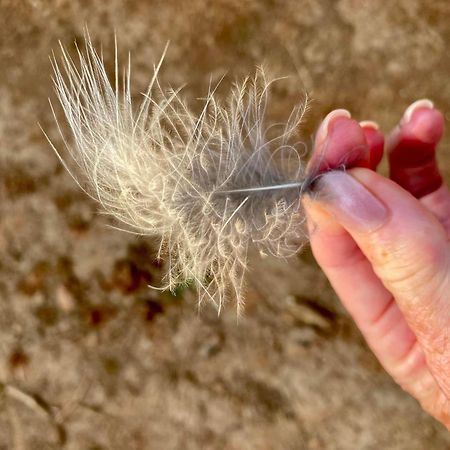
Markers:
(384, 244)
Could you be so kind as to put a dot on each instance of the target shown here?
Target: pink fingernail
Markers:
(423, 103)
(322, 133)
(369, 124)
(351, 203)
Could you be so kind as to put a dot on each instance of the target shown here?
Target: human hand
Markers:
(384, 244)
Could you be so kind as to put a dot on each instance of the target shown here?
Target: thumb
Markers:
(407, 247)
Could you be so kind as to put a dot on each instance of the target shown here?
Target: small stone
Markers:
(64, 299)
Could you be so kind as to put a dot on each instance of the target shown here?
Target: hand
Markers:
(384, 244)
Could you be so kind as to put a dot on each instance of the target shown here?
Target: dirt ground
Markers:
(92, 359)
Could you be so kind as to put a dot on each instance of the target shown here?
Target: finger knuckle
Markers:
(412, 267)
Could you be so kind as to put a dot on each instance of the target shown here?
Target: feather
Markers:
(211, 186)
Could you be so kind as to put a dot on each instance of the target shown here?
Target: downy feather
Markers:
(211, 185)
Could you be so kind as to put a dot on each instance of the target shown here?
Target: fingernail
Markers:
(423, 103)
(322, 133)
(350, 202)
(369, 124)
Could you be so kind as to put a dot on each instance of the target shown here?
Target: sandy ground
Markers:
(90, 358)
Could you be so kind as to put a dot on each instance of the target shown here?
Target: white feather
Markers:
(210, 185)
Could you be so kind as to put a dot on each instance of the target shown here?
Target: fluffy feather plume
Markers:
(210, 185)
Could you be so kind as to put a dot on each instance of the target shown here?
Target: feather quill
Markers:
(211, 185)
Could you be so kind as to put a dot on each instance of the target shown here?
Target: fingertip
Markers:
(412, 148)
(389, 225)
(348, 145)
(371, 124)
(424, 124)
(350, 202)
(375, 141)
(340, 142)
(327, 123)
(421, 122)
(418, 104)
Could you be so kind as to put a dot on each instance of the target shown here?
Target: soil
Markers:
(90, 357)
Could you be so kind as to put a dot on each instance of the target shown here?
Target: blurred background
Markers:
(90, 357)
